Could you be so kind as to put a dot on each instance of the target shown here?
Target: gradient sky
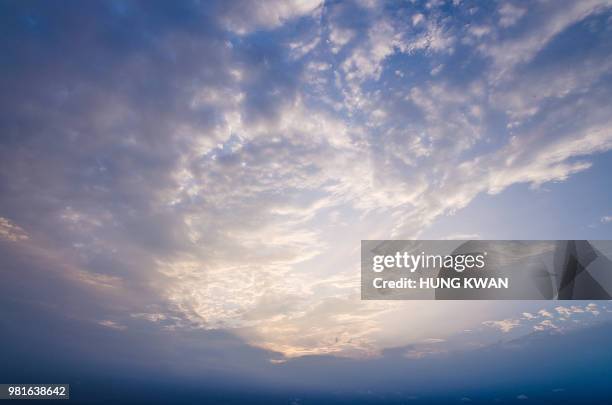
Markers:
(211, 166)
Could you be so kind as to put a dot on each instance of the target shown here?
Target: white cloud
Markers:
(434, 340)
(509, 14)
(545, 325)
(246, 16)
(434, 39)
(516, 50)
(505, 325)
(301, 48)
(112, 324)
(417, 19)
(151, 317)
(569, 311)
(11, 232)
(479, 30)
(365, 61)
(593, 309)
(545, 313)
(340, 37)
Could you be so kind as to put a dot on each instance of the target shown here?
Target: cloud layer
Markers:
(215, 165)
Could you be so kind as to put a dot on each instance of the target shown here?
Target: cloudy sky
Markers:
(211, 166)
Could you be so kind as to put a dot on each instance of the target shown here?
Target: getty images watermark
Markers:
(477, 269)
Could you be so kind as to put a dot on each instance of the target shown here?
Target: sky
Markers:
(189, 181)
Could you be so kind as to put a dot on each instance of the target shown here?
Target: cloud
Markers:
(11, 232)
(544, 325)
(112, 324)
(569, 311)
(545, 313)
(366, 60)
(593, 309)
(509, 14)
(194, 161)
(606, 219)
(417, 18)
(340, 37)
(246, 16)
(553, 319)
(519, 49)
(152, 317)
(505, 325)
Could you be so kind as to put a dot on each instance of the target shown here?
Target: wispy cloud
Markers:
(112, 324)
